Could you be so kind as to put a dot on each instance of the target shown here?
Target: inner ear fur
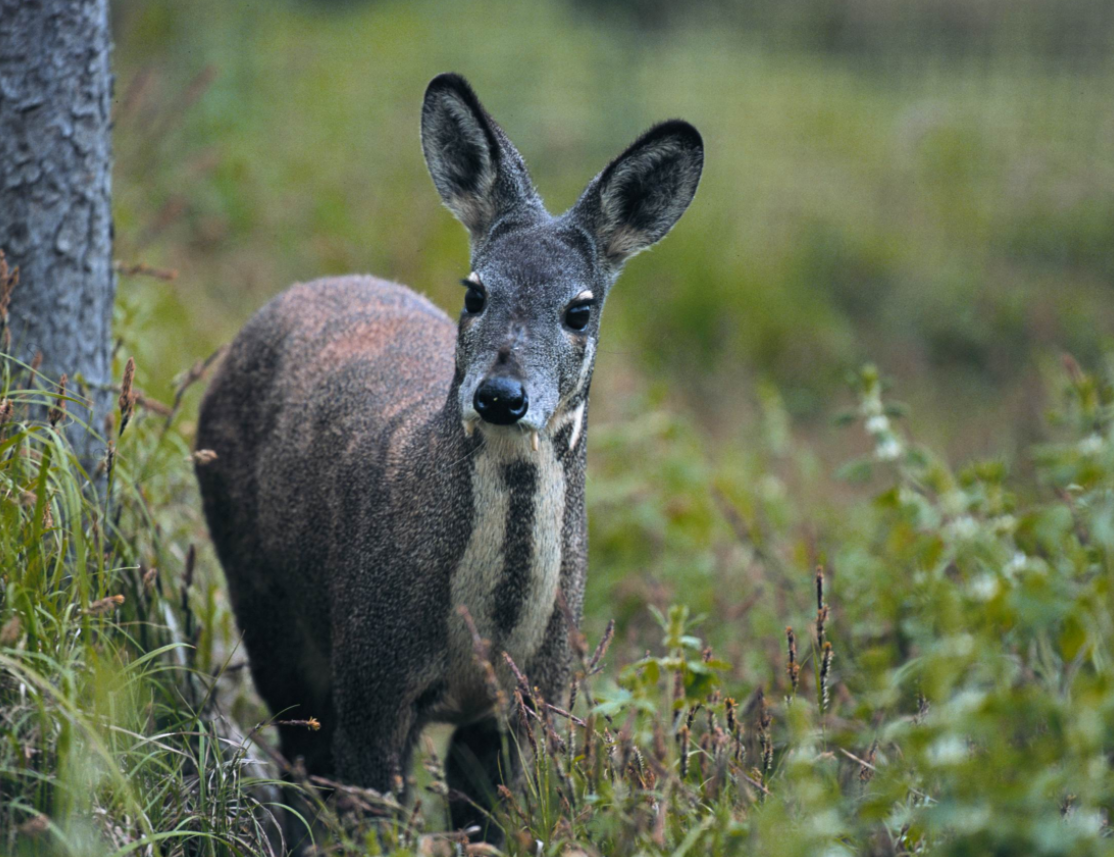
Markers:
(640, 195)
(475, 168)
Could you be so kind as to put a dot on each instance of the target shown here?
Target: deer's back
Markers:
(324, 398)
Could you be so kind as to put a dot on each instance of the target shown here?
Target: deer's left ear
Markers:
(478, 172)
(636, 200)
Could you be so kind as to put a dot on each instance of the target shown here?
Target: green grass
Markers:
(110, 738)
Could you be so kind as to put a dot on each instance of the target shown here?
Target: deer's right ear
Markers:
(636, 200)
(478, 172)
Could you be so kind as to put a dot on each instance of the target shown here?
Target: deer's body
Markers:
(319, 447)
(380, 466)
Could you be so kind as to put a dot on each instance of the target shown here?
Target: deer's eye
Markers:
(578, 315)
(474, 298)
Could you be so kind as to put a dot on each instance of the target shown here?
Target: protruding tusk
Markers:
(469, 427)
(534, 440)
(578, 422)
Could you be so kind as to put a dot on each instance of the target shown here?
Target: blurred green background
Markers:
(929, 184)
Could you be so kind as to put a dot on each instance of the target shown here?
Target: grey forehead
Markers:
(538, 255)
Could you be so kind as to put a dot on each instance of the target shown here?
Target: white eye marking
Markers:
(585, 295)
(472, 278)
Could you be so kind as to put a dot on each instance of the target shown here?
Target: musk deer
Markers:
(379, 466)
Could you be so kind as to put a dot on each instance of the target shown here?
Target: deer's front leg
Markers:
(375, 735)
(480, 758)
(378, 681)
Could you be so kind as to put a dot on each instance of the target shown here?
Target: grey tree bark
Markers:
(55, 191)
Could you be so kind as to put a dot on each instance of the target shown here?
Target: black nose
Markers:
(501, 401)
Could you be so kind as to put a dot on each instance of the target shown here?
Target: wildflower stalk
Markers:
(128, 396)
(765, 720)
(58, 411)
(825, 675)
(821, 607)
(9, 279)
(793, 668)
(684, 740)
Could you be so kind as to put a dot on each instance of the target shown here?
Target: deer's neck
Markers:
(510, 571)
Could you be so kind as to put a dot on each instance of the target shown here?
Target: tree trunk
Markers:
(55, 192)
